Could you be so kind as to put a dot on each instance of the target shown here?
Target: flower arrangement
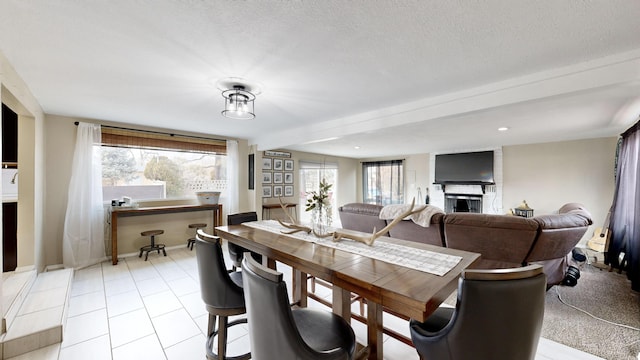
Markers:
(320, 203)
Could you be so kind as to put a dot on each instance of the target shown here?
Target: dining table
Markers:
(407, 278)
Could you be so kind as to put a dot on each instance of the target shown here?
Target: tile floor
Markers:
(152, 310)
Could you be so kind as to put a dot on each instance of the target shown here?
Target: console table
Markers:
(129, 211)
(291, 207)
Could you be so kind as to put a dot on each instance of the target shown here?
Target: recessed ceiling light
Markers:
(356, 147)
(503, 128)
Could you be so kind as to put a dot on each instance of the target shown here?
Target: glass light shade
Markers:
(238, 103)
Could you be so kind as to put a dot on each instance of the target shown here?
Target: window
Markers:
(383, 182)
(147, 165)
(311, 173)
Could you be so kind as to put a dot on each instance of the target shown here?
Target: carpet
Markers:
(603, 294)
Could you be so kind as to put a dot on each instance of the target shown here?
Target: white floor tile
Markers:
(85, 303)
(147, 348)
(151, 286)
(129, 327)
(183, 286)
(85, 327)
(80, 287)
(161, 303)
(193, 304)
(124, 303)
(190, 349)
(119, 285)
(95, 349)
(174, 327)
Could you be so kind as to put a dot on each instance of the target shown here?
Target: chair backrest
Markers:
(216, 287)
(239, 218)
(272, 330)
(498, 315)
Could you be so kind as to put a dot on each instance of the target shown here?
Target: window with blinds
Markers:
(149, 165)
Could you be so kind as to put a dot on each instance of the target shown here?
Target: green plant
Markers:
(319, 198)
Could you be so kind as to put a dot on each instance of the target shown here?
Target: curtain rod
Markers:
(156, 132)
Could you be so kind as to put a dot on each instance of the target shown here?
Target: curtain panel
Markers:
(624, 247)
(83, 236)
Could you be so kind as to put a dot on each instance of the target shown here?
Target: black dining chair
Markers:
(221, 292)
(236, 252)
(276, 331)
(498, 315)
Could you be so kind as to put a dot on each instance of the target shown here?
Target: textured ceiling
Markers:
(392, 77)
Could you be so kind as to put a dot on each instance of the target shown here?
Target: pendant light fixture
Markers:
(239, 98)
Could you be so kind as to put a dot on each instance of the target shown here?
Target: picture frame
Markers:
(277, 178)
(278, 164)
(266, 164)
(266, 191)
(277, 191)
(288, 165)
(288, 190)
(266, 178)
(288, 178)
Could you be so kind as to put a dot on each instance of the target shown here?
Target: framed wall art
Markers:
(278, 164)
(277, 178)
(288, 165)
(288, 178)
(266, 178)
(277, 191)
(266, 191)
(266, 164)
(288, 190)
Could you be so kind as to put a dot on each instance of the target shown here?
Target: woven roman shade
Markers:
(130, 138)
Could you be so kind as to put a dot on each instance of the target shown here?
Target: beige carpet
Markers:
(606, 295)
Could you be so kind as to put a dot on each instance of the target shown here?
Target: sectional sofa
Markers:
(504, 241)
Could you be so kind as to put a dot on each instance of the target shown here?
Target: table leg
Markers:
(374, 329)
(299, 288)
(341, 302)
(114, 238)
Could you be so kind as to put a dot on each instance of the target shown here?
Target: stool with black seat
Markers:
(192, 240)
(221, 292)
(152, 246)
(236, 252)
(278, 332)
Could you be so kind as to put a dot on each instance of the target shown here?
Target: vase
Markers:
(321, 220)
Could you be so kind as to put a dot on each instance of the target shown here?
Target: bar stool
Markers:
(153, 246)
(192, 240)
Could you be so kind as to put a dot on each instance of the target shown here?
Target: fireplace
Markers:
(462, 203)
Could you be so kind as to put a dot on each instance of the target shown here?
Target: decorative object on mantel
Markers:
(294, 226)
(523, 210)
(320, 206)
(239, 98)
(339, 235)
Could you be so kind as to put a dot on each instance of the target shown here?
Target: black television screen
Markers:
(465, 168)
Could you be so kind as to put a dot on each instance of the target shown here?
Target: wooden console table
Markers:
(291, 207)
(127, 211)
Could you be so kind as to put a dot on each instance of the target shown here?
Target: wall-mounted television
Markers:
(472, 168)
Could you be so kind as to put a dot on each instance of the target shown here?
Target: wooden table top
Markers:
(409, 292)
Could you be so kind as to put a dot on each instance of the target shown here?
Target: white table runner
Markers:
(417, 259)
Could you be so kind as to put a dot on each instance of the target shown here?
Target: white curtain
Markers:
(83, 238)
(232, 201)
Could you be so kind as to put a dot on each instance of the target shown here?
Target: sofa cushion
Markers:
(361, 217)
(503, 241)
(408, 230)
(559, 233)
